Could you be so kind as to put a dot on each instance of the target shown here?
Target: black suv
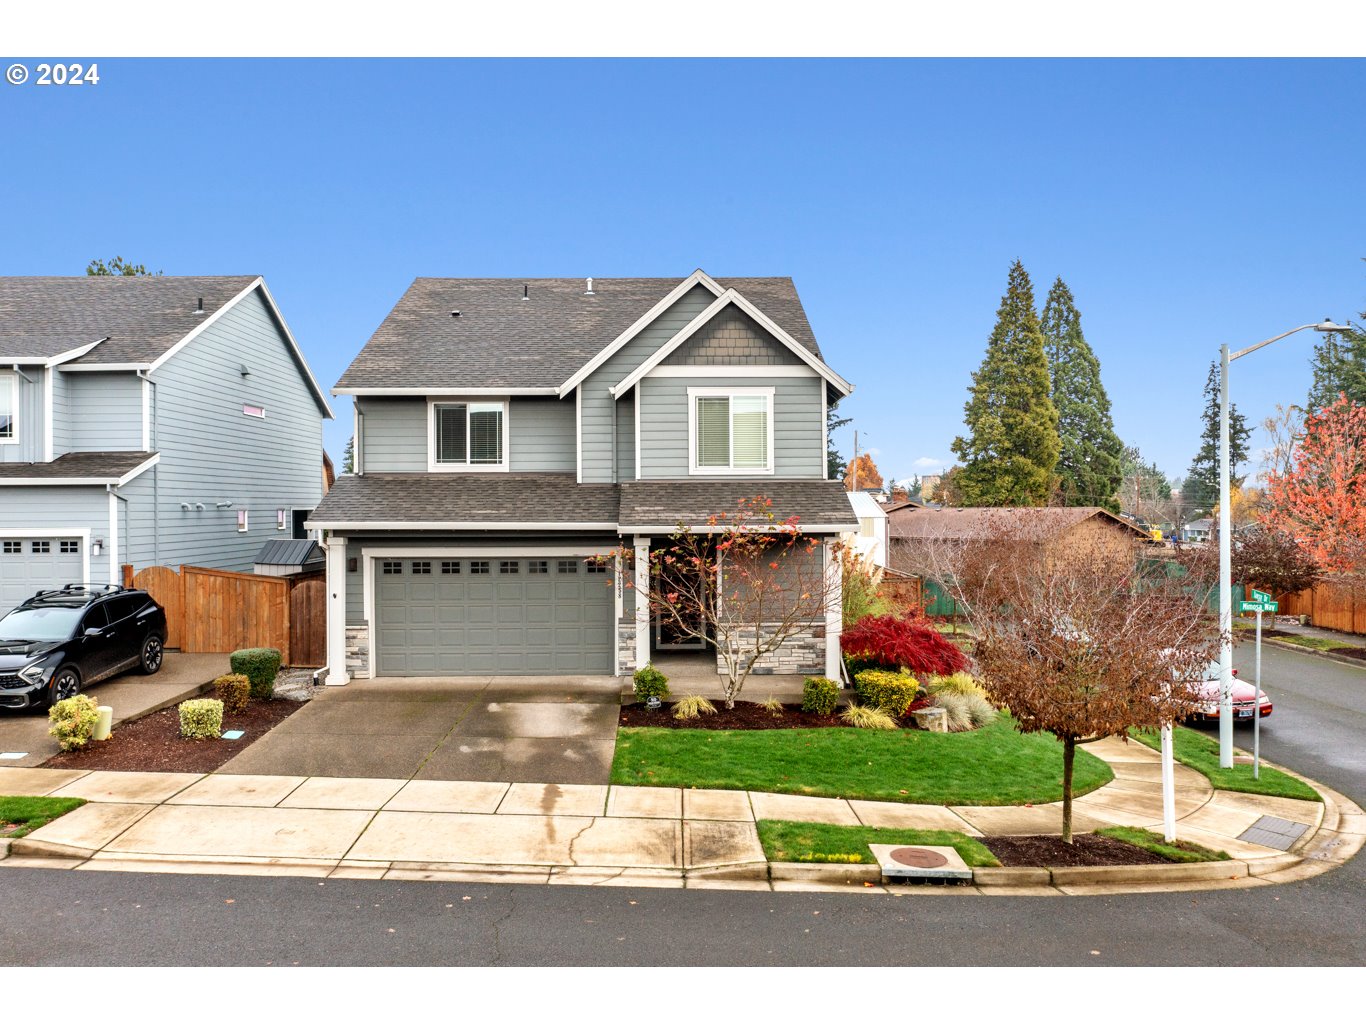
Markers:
(59, 641)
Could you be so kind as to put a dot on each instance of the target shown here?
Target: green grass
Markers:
(848, 844)
(990, 766)
(1196, 750)
(30, 812)
(1316, 643)
(1181, 852)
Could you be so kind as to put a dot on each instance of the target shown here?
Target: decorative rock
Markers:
(931, 719)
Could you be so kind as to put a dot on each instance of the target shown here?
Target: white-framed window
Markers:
(730, 430)
(281, 519)
(467, 436)
(9, 408)
(242, 520)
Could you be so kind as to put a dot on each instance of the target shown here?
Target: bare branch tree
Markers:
(1080, 643)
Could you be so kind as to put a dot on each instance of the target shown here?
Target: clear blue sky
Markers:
(1185, 202)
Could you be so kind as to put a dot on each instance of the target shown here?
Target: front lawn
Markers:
(20, 815)
(1181, 852)
(1196, 750)
(1317, 643)
(848, 844)
(989, 766)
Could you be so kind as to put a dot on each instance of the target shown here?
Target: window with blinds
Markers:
(732, 432)
(468, 434)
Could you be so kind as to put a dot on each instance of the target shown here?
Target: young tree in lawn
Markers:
(1011, 450)
(1079, 644)
(1321, 498)
(1089, 463)
(746, 583)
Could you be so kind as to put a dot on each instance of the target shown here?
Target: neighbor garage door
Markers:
(31, 564)
(496, 616)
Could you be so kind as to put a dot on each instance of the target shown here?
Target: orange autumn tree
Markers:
(863, 471)
(1320, 499)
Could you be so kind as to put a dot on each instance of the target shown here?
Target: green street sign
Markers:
(1261, 595)
(1258, 606)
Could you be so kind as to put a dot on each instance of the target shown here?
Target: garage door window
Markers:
(450, 568)
(567, 566)
(13, 547)
(70, 547)
(391, 568)
(479, 568)
(538, 567)
(509, 568)
(42, 547)
(422, 568)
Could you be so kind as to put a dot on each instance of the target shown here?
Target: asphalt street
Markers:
(92, 918)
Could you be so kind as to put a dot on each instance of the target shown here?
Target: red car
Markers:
(1242, 698)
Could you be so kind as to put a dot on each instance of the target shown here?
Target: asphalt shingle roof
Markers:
(971, 523)
(654, 504)
(501, 340)
(492, 498)
(142, 317)
(76, 465)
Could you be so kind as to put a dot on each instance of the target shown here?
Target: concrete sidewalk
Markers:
(131, 695)
(622, 835)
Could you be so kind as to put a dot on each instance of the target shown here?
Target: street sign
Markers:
(1260, 595)
(1258, 606)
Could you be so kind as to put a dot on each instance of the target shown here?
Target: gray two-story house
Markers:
(506, 430)
(148, 421)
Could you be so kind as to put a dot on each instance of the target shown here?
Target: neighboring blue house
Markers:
(151, 421)
(507, 429)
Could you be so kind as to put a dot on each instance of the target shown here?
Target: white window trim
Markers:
(732, 392)
(463, 467)
(13, 379)
(243, 520)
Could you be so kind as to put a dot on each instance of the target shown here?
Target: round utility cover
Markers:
(914, 857)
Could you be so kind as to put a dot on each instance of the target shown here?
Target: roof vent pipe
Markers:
(590, 287)
(200, 307)
(525, 293)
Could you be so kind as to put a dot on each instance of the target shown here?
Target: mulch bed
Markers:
(745, 715)
(1087, 851)
(153, 743)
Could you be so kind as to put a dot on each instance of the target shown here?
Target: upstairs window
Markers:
(731, 430)
(468, 435)
(9, 407)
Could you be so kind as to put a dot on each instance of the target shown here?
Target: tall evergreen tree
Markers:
(1201, 487)
(1011, 451)
(1089, 464)
(1339, 366)
(835, 463)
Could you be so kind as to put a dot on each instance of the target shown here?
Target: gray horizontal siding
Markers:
(798, 425)
(598, 406)
(626, 438)
(540, 435)
(47, 511)
(28, 418)
(103, 412)
(212, 453)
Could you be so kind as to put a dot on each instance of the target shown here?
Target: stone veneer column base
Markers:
(626, 646)
(803, 653)
(358, 651)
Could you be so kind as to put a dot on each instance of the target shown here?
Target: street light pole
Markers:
(1226, 541)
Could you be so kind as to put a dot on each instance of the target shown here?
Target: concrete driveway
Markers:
(131, 695)
(480, 728)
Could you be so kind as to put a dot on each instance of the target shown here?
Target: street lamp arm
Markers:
(1323, 327)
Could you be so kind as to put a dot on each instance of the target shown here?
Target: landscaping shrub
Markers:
(892, 692)
(201, 719)
(693, 706)
(650, 682)
(859, 595)
(773, 706)
(73, 721)
(233, 691)
(861, 717)
(959, 682)
(957, 715)
(979, 710)
(896, 642)
(820, 696)
(260, 665)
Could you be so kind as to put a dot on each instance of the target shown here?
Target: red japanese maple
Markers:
(902, 641)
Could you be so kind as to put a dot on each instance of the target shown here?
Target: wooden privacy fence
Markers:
(1330, 604)
(211, 611)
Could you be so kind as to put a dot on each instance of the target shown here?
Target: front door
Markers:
(671, 634)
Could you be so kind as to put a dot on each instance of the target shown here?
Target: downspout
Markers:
(156, 474)
(113, 545)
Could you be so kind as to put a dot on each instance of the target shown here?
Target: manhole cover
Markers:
(914, 857)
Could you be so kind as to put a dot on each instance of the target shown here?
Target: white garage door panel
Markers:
(31, 564)
(507, 621)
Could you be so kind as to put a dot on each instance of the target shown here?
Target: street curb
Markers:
(829, 874)
(1326, 655)
(4, 848)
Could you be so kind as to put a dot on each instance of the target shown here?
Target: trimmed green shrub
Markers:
(260, 665)
(892, 692)
(201, 719)
(863, 717)
(820, 696)
(693, 706)
(233, 691)
(73, 721)
(650, 682)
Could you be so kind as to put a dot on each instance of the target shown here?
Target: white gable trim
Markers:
(728, 298)
(294, 347)
(697, 277)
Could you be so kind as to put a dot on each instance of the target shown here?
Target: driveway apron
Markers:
(555, 730)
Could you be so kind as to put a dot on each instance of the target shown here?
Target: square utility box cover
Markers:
(921, 862)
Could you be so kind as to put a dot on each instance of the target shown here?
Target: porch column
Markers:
(834, 610)
(336, 611)
(642, 598)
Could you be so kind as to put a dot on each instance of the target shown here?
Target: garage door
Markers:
(495, 616)
(31, 564)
